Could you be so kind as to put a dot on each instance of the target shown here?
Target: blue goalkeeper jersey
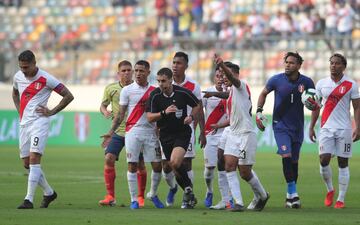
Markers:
(288, 113)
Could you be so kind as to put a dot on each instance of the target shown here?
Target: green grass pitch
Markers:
(76, 174)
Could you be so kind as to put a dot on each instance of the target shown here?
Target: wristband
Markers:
(259, 109)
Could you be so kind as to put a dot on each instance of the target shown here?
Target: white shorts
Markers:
(210, 150)
(33, 137)
(242, 146)
(148, 144)
(337, 142)
(223, 137)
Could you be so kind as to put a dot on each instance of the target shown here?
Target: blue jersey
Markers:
(288, 113)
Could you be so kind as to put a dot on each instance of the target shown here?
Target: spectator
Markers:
(345, 24)
(331, 23)
(161, 17)
(218, 13)
(197, 12)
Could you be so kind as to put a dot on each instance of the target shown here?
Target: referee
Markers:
(167, 106)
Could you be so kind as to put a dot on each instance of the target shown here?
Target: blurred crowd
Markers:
(214, 19)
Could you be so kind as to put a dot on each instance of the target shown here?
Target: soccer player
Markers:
(32, 88)
(114, 145)
(216, 117)
(336, 135)
(179, 65)
(167, 106)
(240, 146)
(288, 119)
(140, 135)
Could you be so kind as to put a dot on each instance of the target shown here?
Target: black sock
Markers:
(288, 169)
(295, 167)
(182, 177)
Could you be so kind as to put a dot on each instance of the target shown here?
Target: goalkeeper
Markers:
(288, 119)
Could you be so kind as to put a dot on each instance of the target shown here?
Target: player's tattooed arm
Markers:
(218, 94)
(67, 98)
(16, 98)
(119, 117)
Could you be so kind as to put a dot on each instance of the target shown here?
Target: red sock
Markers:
(141, 177)
(109, 177)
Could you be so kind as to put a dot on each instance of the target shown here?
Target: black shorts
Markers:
(170, 141)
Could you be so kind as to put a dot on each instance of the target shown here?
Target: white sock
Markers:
(344, 177)
(191, 175)
(234, 185)
(257, 187)
(155, 181)
(132, 182)
(33, 180)
(45, 185)
(170, 179)
(325, 172)
(209, 177)
(223, 186)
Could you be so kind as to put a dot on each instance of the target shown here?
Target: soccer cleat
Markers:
(47, 200)
(208, 199)
(26, 205)
(237, 208)
(221, 205)
(288, 203)
(339, 205)
(189, 200)
(157, 203)
(329, 198)
(108, 201)
(134, 205)
(261, 203)
(253, 203)
(171, 196)
(141, 201)
(296, 203)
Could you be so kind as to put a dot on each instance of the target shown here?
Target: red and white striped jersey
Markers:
(34, 92)
(215, 112)
(239, 103)
(336, 100)
(192, 86)
(134, 97)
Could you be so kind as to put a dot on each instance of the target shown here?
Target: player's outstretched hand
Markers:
(106, 140)
(312, 135)
(207, 94)
(260, 121)
(217, 59)
(356, 134)
(171, 109)
(43, 110)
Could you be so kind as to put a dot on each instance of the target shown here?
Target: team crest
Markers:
(301, 88)
(38, 85)
(283, 147)
(342, 89)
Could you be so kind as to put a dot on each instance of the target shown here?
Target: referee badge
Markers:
(178, 113)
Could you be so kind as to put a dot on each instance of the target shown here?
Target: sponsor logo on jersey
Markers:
(283, 147)
(301, 88)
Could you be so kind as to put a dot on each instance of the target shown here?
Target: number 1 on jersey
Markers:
(292, 98)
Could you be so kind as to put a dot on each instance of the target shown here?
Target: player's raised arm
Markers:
(230, 76)
(218, 94)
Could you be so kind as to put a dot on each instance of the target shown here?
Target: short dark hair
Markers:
(341, 57)
(143, 63)
(296, 55)
(165, 71)
(183, 55)
(27, 56)
(124, 63)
